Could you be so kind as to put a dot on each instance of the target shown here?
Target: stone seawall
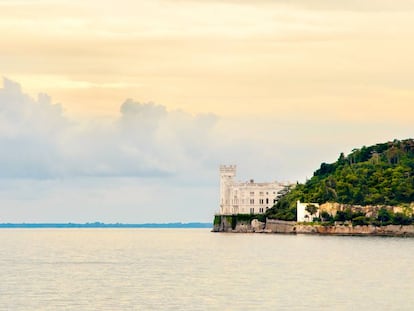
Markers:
(228, 224)
(280, 226)
(390, 230)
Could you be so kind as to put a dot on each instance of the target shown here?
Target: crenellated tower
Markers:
(227, 174)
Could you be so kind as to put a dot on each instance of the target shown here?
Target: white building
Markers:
(302, 214)
(246, 197)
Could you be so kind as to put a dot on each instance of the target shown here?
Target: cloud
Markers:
(355, 5)
(328, 5)
(38, 141)
(149, 164)
(29, 133)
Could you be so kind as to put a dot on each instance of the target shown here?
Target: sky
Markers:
(122, 111)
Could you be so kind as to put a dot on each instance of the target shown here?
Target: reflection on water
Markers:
(193, 269)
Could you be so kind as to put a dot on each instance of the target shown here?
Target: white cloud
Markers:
(38, 141)
(29, 134)
(56, 169)
(147, 140)
(351, 5)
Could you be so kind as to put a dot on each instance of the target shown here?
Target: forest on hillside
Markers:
(382, 174)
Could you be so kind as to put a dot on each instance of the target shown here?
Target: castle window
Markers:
(261, 201)
(261, 193)
(261, 210)
(251, 193)
(267, 201)
(251, 201)
(252, 210)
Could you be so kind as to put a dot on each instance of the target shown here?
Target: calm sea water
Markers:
(193, 269)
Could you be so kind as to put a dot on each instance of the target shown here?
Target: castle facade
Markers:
(247, 197)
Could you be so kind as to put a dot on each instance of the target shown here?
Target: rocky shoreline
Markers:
(292, 227)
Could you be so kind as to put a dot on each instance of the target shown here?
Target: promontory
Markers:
(370, 191)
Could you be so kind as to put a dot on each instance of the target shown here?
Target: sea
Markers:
(195, 269)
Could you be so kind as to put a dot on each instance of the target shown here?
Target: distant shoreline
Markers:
(177, 225)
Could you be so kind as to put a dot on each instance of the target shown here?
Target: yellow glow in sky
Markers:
(265, 58)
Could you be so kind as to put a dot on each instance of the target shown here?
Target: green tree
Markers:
(325, 216)
(360, 221)
(384, 216)
(311, 209)
(401, 219)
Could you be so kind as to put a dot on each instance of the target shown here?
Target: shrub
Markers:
(244, 217)
(385, 216)
(326, 216)
(340, 216)
(401, 219)
(261, 217)
(233, 222)
(360, 221)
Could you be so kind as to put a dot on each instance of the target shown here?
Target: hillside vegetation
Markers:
(382, 174)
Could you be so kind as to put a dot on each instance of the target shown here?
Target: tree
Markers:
(360, 221)
(311, 209)
(401, 219)
(326, 216)
(340, 216)
(384, 216)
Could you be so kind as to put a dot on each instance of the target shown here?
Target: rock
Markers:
(257, 226)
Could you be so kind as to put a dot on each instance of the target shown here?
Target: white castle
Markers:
(247, 197)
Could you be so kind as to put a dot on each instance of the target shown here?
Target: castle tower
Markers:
(227, 174)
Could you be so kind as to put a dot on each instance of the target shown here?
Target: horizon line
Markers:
(107, 225)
